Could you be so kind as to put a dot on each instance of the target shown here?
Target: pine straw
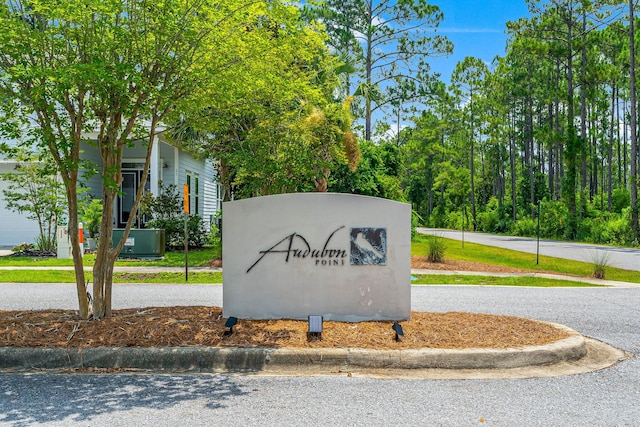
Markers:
(422, 262)
(191, 326)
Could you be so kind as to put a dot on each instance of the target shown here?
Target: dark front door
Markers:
(131, 180)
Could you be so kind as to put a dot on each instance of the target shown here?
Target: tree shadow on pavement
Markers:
(40, 399)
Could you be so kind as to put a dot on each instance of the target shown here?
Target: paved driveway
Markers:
(604, 398)
(626, 258)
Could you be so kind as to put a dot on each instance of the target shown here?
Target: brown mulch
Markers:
(191, 326)
(457, 265)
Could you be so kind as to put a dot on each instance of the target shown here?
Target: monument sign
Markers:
(342, 256)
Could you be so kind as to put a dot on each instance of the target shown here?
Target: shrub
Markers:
(495, 218)
(600, 261)
(90, 211)
(436, 247)
(214, 240)
(174, 231)
(619, 230)
(621, 198)
(416, 220)
(166, 213)
(552, 214)
(525, 227)
(594, 230)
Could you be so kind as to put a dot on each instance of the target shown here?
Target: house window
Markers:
(196, 198)
(189, 191)
(218, 197)
(193, 184)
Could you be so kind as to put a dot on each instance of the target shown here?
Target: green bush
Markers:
(553, 216)
(174, 231)
(594, 230)
(619, 230)
(621, 198)
(91, 215)
(214, 240)
(525, 227)
(416, 220)
(494, 218)
(166, 213)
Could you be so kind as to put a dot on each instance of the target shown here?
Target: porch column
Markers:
(155, 167)
(176, 166)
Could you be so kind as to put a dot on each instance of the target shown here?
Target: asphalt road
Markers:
(625, 258)
(603, 398)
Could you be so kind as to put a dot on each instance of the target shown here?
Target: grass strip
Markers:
(454, 251)
(197, 258)
(52, 276)
(463, 279)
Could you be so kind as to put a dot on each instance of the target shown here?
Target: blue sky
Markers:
(476, 28)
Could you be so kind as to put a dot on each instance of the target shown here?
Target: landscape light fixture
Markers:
(315, 327)
(230, 323)
(397, 327)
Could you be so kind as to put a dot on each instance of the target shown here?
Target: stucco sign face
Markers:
(341, 256)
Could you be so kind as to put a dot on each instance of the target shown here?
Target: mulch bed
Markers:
(456, 265)
(192, 326)
(199, 325)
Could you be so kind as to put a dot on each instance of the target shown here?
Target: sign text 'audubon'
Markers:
(296, 246)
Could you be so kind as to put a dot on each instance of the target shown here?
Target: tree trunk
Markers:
(583, 103)
(634, 139)
(512, 163)
(472, 196)
(368, 71)
(81, 286)
(107, 254)
(573, 146)
(610, 149)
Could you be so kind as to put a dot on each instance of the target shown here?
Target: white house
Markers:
(14, 227)
(169, 164)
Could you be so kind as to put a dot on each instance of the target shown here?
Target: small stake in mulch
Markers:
(230, 323)
(315, 328)
(397, 327)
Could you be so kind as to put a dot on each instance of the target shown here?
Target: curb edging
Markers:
(258, 359)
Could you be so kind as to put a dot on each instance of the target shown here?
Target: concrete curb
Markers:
(256, 359)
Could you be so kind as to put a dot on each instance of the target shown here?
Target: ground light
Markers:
(397, 327)
(315, 327)
(230, 323)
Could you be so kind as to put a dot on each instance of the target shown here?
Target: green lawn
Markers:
(460, 279)
(197, 258)
(53, 276)
(454, 251)
(516, 259)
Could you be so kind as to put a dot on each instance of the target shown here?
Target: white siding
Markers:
(206, 181)
(210, 197)
(15, 228)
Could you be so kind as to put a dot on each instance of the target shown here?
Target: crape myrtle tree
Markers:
(113, 69)
(274, 124)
